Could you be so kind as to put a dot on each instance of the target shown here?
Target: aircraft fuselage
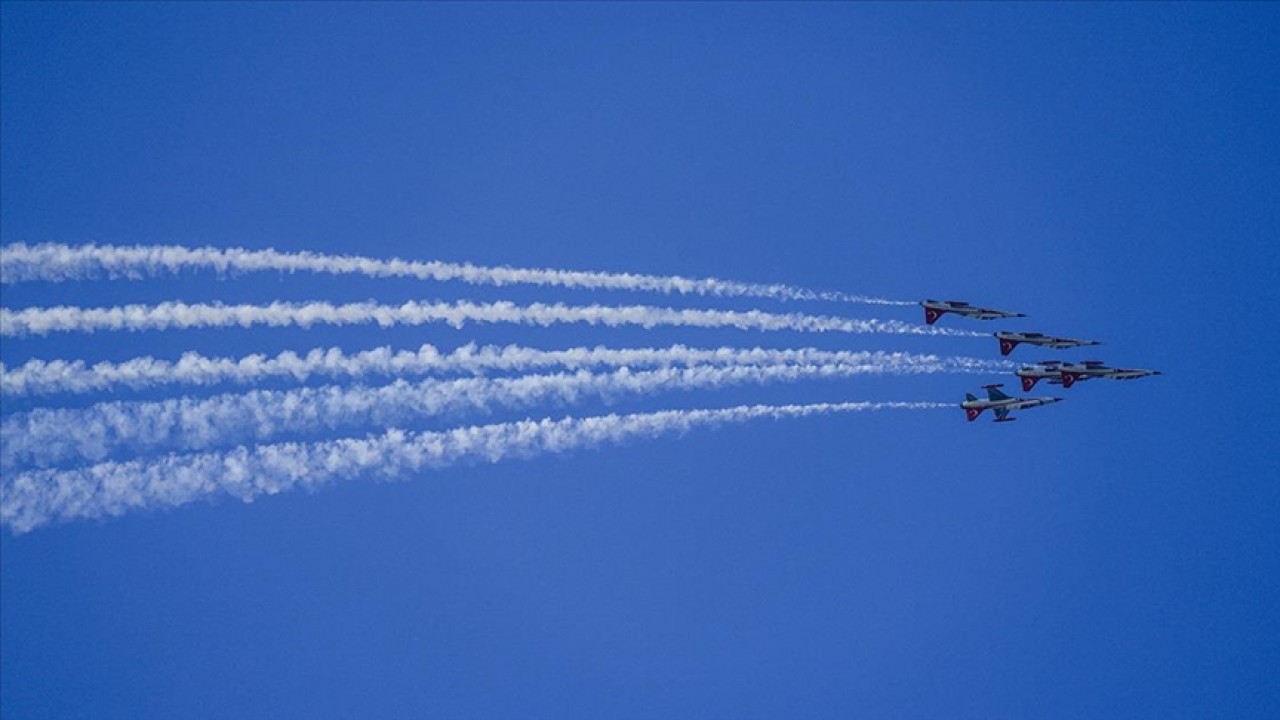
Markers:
(1073, 372)
(1010, 340)
(1002, 406)
(934, 309)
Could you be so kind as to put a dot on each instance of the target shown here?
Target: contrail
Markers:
(34, 498)
(48, 437)
(42, 377)
(179, 315)
(55, 262)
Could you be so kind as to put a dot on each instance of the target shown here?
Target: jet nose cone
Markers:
(1054, 400)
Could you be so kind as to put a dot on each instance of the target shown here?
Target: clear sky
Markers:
(1111, 170)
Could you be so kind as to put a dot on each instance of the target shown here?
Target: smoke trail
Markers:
(35, 498)
(178, 315)
(41, 377)
(56, 262)
(45, 437)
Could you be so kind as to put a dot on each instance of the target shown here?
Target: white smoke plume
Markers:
(179, 315)
(38, 497)
(47, 437)
(55, 262)
(43, 377)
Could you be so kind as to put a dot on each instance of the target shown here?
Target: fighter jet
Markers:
(1071, 372)
(1050, 370)
(934, 309)
(1001, 404)
(1010, 340)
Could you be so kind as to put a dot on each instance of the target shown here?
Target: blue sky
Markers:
(1111, 170)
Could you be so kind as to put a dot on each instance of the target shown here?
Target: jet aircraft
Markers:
(934, 309)
(1010, 340)
(1001, 404)
(1050, 370)
(1071, 372)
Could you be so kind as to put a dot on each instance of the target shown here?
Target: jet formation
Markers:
(1055, 372)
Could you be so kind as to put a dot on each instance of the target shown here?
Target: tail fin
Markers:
(972, 413)
(1069, 378)
(1007, 346)
(1028, 382)
(931, 315)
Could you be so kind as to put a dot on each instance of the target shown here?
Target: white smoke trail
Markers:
(42, 377)
(57, 262)
(46, 437)
(179, 315)
(34, 498)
